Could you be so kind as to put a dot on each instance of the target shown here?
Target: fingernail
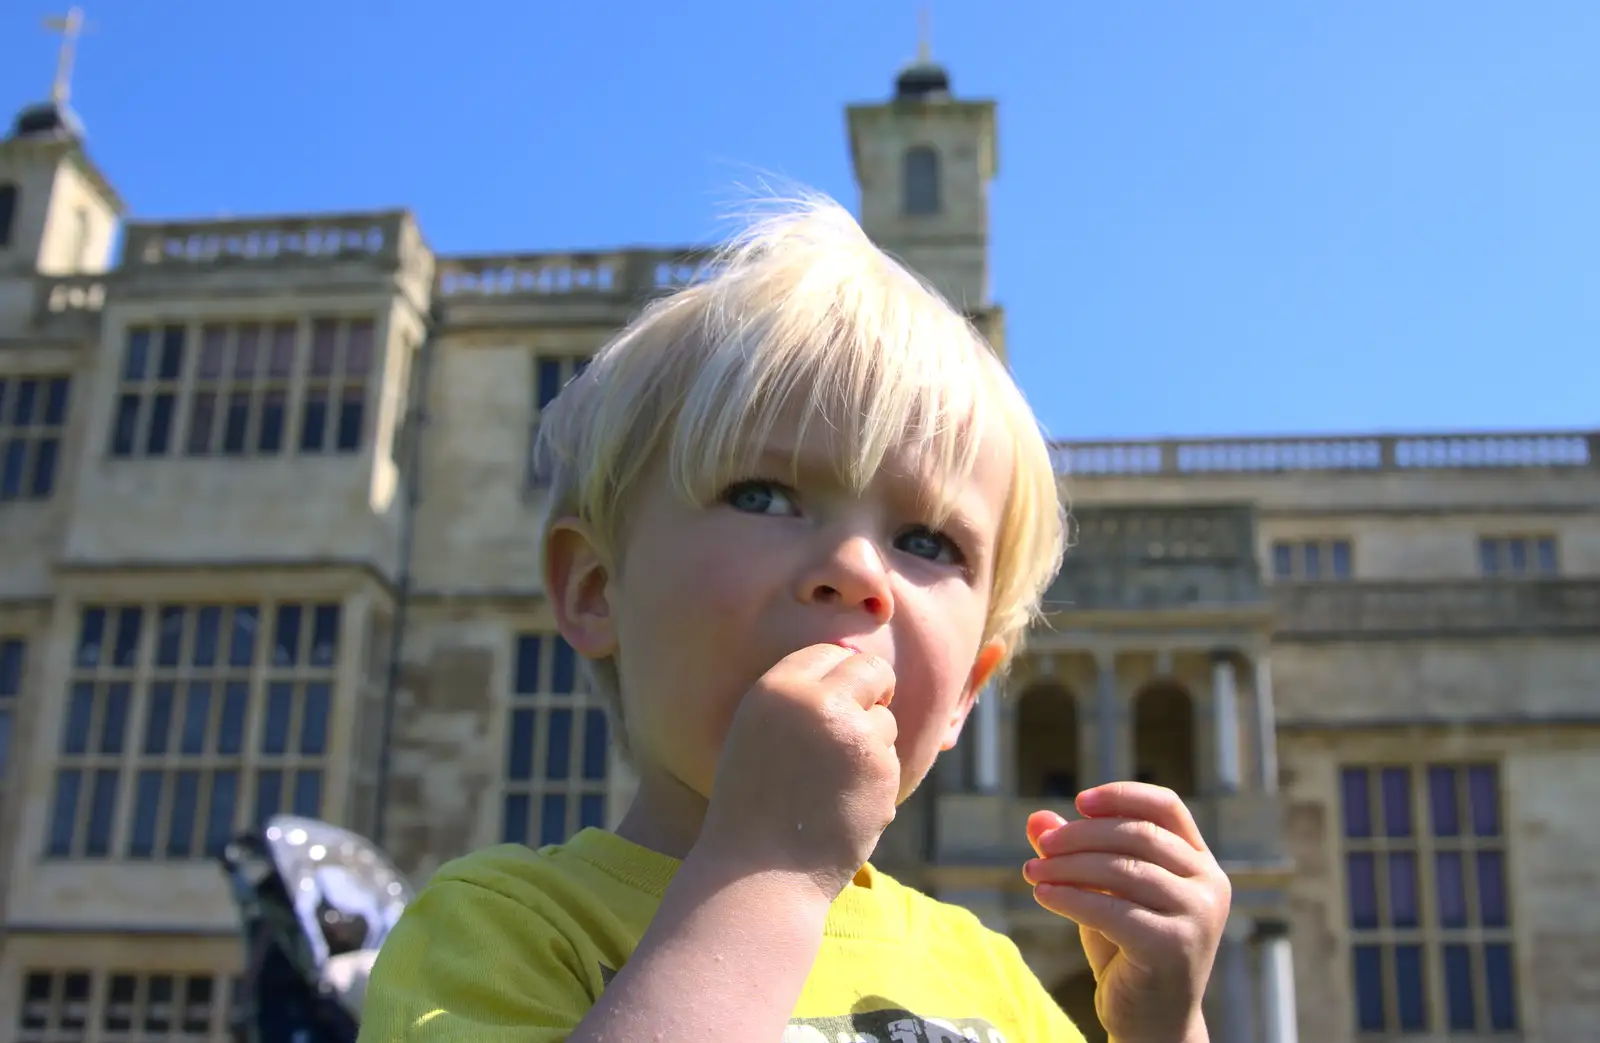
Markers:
(1030, 870)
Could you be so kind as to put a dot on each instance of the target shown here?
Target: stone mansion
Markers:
(266, 498)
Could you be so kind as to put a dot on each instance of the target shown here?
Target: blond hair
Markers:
(802, 310)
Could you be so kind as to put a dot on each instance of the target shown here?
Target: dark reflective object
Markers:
(315, 903)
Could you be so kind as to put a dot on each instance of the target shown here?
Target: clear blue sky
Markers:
(1211, 218)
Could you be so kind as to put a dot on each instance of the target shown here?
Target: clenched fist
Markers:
(808, 777)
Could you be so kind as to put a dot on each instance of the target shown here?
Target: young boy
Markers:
(800, 516)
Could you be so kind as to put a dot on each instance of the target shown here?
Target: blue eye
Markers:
(757, 497)
(925, 543)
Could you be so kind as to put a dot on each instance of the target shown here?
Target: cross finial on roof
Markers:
(70, 26)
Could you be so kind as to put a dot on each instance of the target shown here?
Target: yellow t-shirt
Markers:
(511, 945)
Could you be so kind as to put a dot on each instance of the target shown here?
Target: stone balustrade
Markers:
(1356, 453)
(623, 274)
(292, 240)
(1340, 611)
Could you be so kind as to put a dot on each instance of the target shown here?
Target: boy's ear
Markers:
(579, 587)
(989, 658)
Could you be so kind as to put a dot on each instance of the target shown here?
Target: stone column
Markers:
(1108, 720)
(1277, 983)
(1266, 728)
(986, 754)
(1238, 1000)
(1225, 721)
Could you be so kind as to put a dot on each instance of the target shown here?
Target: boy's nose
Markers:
(851, 576)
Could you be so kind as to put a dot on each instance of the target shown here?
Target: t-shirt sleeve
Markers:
(467, 964)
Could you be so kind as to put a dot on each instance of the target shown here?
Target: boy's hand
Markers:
(1149, 899)
(808, 777)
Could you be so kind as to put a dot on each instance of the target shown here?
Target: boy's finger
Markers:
(1126, 837)
(1141, 800)
(1040, 823)
(866, 679)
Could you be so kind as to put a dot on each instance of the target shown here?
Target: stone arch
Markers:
(1164, 737)
(1075, 995)
(1047, 742)
(920, 180)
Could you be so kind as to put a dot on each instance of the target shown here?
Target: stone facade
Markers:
(267, 515)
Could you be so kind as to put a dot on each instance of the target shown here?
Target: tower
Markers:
(58, 212)
(923, 161)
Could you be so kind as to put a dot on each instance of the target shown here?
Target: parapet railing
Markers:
(1355, 453)
(623, 274)
(379, 237)
(1483, 607)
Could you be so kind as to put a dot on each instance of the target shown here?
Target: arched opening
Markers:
(1075, 995)
(1047, 743)
(8, 213)
(1163, 738)
(921, 180)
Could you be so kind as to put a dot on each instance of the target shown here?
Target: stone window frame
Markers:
(157, 731)
(10, 205)
(124, 1005)
(245, 387)
(1456, 943)
(556, 774)
(1300, 560)
(552, 371)
(1526, 555)
(33, 423)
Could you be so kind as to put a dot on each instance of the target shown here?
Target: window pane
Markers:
(563, 668)
(324, 634)
(236, 425)
(13, 464)
(269, 795)
(1341, 559)
(171, 364)
(592, 811)
(102, 813)
(281, 364)
(358, 353)
(235, 713)
(1395, 784)
(158, 439)
(1368, 974)
(549, 381)
(274, 409)
(213, 339)
(314, 719)
(91, 636)
(514, 819)
(286, 636)
(1442, 800)
(45, 451)
(136, 355)
(1282, 560)
(275, 730)
(594, 745)
(352, 403)
(1547, 557)
(247, 354)
(1313, 559)
(519, 755)
(1451, 883)
(1403, 910)
(126, 652)
(558, 748)
(196, 719)
(55, 408)
(185, 807)
(80, 716)
(1489, 557)
(1357, 803)
(314, 421)
(324, 339)
(158, 718)
(553, 818)
(1492, 905)
(1458, 988)
(1502, 987)
(1363, 888)
(114, 722)
(64, 813)
(1483, 797)
(308, 794)
(526, 679)
(146, 814)
(1517, 552)
(208, 630)
(169, 636)
(125, 428)
(1408, 988)
(219, 818)
(202, 421)
(242, 646)
(11, 657)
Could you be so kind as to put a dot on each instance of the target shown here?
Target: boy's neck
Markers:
(664, 816)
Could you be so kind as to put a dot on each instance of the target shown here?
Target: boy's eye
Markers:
(925, 543)
(759, 498)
